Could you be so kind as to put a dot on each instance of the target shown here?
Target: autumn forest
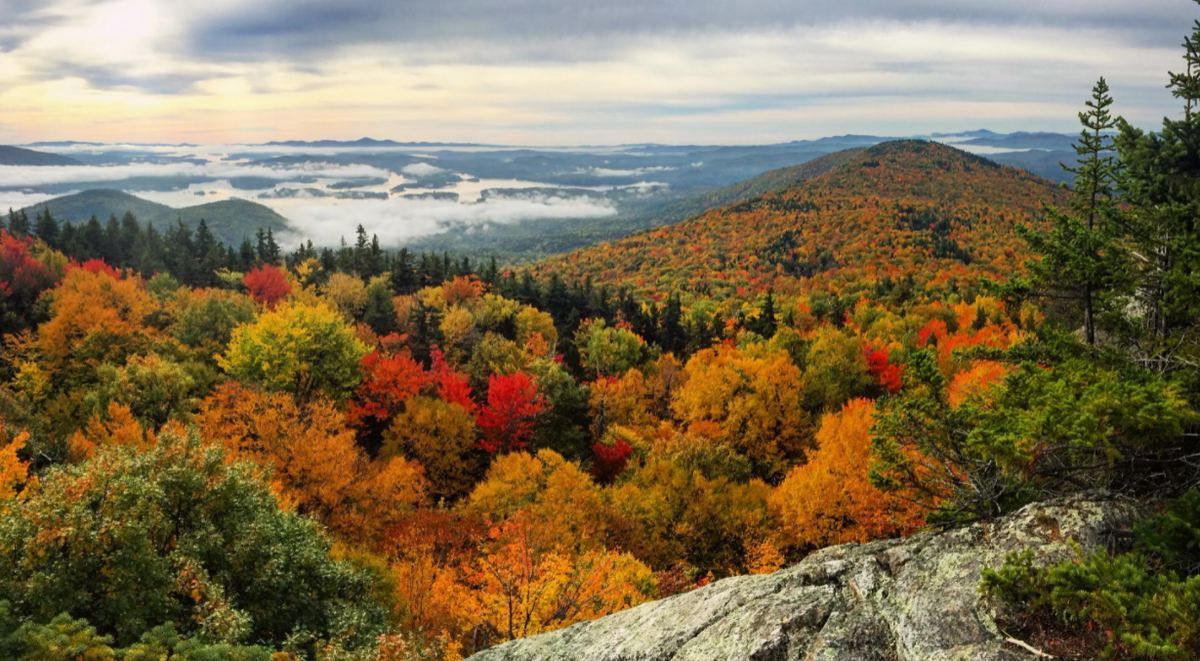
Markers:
(250, 452)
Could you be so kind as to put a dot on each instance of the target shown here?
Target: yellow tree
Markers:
(440, 436)
(521, 585)
(755, 398)
(301, 349)
(316, 464)
(97, 312)
(560, 502)
(830, 499)
(13, 471)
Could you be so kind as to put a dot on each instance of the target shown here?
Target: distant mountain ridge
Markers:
(367, 142)
(19, 156)
(229, 220)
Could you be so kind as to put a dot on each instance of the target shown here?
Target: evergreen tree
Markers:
(671, 336)
(403, 277)
(766, 324)
(91, 243)
(131, 231)
(246, 256)
(380, 312)
(1160, 181)
(1080, 256)
(272, 248)
(18, 223)
(375, 264)
(491, 273)
(260, 245)
(426, 324)
(46, 227)
(361, 255)
(113, 252)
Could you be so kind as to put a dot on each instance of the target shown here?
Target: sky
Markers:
(573, 72)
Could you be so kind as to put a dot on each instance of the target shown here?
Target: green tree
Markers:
(1081, 258)
(1044, 431)
(380, 312)
(1160, 181)
(298, 348)
(177, 535)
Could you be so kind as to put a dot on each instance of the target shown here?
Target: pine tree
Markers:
(46, 227)
(361, 255)
(671, 336)
(18, 223)
(92, 239)
(1160, 181)
(272, 248)
(1081, 259)
(380, 311)
(767, 322)
(375, 259)
(113, 252)
(403, 278)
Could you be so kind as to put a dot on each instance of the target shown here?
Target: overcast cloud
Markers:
(555, 72)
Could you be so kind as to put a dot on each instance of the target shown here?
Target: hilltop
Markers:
(229, 220)
(898, 209)
(18, 156)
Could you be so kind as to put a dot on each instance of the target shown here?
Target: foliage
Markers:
(1045, 431)
(438, 435)
(507, 421)
(301, 349)
(1080, 257)
(1140, 604)
(94, 311)
(523, 585)
(754, 397)
(608, 351)
(830, 500)
(316, 465)
(268, 285)
(177, 535)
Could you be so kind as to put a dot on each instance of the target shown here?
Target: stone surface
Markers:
(913, 599)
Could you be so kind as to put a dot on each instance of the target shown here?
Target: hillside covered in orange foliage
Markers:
(904, 208)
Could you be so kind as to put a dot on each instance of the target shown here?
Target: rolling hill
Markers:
(18, 156)
(906, 208)
(229, 220)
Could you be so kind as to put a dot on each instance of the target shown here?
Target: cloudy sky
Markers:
(572, 72)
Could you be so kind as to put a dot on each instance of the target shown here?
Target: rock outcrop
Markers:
(913, 599)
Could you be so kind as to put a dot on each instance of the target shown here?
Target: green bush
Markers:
(176, 535)
(1136, 604)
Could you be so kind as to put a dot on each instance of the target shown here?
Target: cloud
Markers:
(16, 176)
(608, 172)
(398, 219)
(550, 72)
(541, 29)
(421, 169)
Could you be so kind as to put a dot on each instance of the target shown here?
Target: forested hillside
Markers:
(230, 221)
(18, 156)
(900, 210)
(361, 454)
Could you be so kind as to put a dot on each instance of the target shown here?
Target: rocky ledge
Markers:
(913, 599)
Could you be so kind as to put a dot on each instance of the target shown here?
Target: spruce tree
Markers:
(1160, 181)
(46, 227)
(380, 311)
(1081, 259)
(18, 223)
(671, 335)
